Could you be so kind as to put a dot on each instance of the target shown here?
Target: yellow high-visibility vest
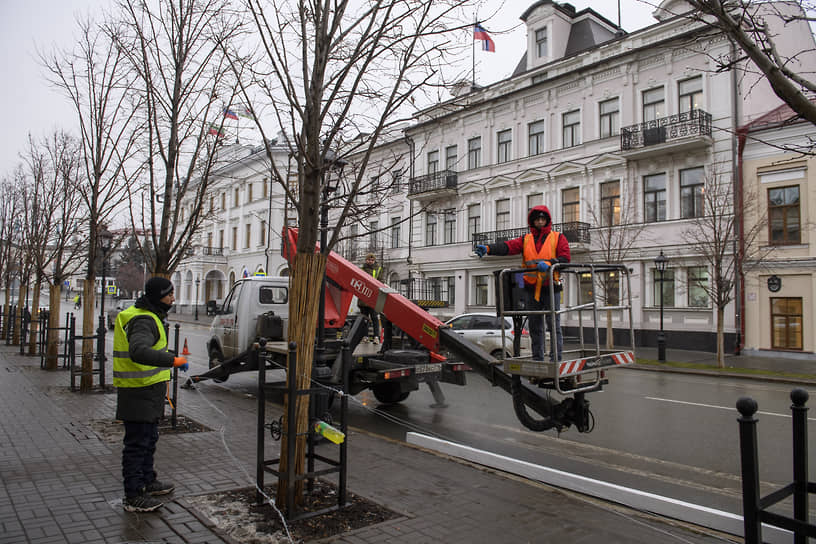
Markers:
(126, 372)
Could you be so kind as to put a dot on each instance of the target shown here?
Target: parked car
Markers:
(118, 306)
(485, 330)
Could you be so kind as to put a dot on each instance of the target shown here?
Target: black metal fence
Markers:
(576, 232)
(756, 509)
(666, 129)
(437, 181)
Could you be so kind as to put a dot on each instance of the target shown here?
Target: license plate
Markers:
(424, 369)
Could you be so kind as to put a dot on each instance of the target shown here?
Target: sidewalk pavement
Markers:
(61, 481)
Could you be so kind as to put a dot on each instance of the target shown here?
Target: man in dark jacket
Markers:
(141, 370)
(540, 249)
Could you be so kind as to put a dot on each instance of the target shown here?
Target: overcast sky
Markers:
(32, 106)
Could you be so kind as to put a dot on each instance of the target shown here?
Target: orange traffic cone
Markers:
(185, 351)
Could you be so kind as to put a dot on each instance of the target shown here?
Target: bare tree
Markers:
(53, 216)
(757, 29)
(175, 50)
(714, 238)
(96, 80)
(336, 75)
(10, 242)
(616, 233)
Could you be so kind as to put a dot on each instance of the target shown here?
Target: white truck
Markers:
(258, 307)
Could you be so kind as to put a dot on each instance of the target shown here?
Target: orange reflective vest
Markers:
(531, 257)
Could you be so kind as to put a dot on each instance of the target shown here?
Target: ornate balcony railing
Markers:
(666, 129)
(355, 249)
(426, 293)
(213, 251)
(577, 232)
(438, 181)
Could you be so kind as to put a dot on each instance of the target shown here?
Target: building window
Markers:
(430, 229)
(373, 227)
(395, 232)
(451, 280)
(433, 162)
(668, 287)
(212, 199)
(249, 192)
(571, 133)
(610, 203)
(690, 93)
(221, 239)
(248, 232)
(654, 197)
(570, 205)
(585, 291)
(608, 117)
(223, 201)
(451, 158)
(611, 287)
(265, 185)
(396, 181)
(474, 220)
(536, 137)
(235, 238)
(691, 192)
(480, 290)
(783, 215)
(503, 214)
(535, 199)
(209, 240)
(786, 320)
(504, 140)
(697, 286)
(262, 233)
(474, 152)
(654, 105)
(236, 198)
(541, 42)
(450, 226)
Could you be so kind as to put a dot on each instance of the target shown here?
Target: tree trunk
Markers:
(86, 381)
(720, 339)
(22, 295)
(609, 332)
(306, 279)
(35, 318)
(52, 349)
(6, 306)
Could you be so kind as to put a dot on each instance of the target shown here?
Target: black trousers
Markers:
(374, 317)
(137, 456)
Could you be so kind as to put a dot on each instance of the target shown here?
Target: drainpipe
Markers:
(737, 147)
(410, 222)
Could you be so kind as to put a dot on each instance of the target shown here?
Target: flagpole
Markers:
(473, 54)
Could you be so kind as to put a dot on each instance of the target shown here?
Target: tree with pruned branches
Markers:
(335, 76)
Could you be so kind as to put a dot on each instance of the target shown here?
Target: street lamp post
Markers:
(105, 240)
(660, 263)
(335, 164)
(197, 281)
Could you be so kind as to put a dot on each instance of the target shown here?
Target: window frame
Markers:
(694, 287)
(609, 120)
(536, 132)
(787, 316)
(449, 226)
(481, 295)
(451, 159)
(693, 193)
(395, 232)
(504, 146)
(650, 109)
(772, 209)
(610, 204)
(656, 205)
(474, 221)
(474, 152)
(433, 162)
(572, 128)
(668, 294)
(571, 209)
(503, 214)
(430, 229)
(689, 97)
(541, 42)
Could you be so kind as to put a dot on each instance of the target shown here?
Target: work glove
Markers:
(543, 266)
(181, 363)
(481, 251)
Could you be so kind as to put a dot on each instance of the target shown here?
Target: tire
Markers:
(216, 358)
(389, 393)
(497, 354)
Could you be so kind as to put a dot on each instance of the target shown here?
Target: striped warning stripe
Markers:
(578, 365)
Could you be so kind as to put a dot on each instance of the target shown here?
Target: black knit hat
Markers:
(157, 288)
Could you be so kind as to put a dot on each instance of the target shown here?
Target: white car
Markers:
(485, 330)
(118, 306)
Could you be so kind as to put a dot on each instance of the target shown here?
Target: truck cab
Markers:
(255, 306)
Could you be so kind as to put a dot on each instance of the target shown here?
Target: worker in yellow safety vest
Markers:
(540, 248)
(141, 370)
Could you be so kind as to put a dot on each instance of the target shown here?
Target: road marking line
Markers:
(730, 409)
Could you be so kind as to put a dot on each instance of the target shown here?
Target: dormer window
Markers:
(541, 42)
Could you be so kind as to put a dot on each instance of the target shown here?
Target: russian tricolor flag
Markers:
(479, 33)
(229, 114)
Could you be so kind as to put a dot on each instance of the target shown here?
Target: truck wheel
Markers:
(389, 393)
(215, 357)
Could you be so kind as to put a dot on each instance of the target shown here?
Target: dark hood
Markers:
(546, 230)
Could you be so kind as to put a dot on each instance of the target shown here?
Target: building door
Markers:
(786, 320)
